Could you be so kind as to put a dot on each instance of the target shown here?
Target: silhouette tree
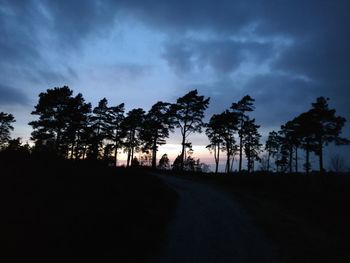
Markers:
(214, 131)
(190, 164)
(220, 131)
(156, 126)
(177, 162)
(164, 163)
(251, 143)
(240, 108)
(328, 127)
(84, 141)
(108, 156)
(115, 130)
(305, 126)
(290, 139)
(99, 123)
(272, 146)
(135, 161)
(230, 122)
(6, 127)
(131, 125)
(189, 112)
(78, 112)
(53, 110)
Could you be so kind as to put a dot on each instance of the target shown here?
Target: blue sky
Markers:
(282, 53)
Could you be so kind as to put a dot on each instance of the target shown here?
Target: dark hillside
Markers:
(61, 210)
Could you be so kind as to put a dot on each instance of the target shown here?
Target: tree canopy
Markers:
(6, 120)
(67, 126)
(188, 113)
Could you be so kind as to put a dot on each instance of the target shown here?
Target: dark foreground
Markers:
(63, 211)
(210, 226)
(306, 218)
(56, 211)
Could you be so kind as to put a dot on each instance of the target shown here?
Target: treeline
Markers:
(311, 131)
(67, 126)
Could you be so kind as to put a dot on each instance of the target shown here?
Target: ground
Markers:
(67, 210)
(210, 226)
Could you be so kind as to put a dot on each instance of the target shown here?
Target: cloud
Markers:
(283, 53)
(222, 56)
(9, 96)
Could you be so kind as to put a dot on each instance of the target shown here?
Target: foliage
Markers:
(220, 131)
(272, 147)
(6, 127)
(164, 163)
(188, 112)
(157, 124)
(115, 131)
(132, 125)
(61, 117)
(251, 143)
(246, 104)
(67, 128)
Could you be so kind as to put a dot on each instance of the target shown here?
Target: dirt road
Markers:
(209, 226)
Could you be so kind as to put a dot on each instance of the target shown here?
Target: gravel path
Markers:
(209, 226)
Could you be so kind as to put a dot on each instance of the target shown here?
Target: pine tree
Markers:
(131, 125)
(164, 162)
(115, 131)
(157, 124)
(240, 108)
(251, 143)
(189, 113)
(214, 131)
(272, 146)
(49, 131)
(6, 127)
(99, 123)
(328, 127)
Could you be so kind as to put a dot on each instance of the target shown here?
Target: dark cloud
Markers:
(222, 56)
(30, 30)
(131, 70)
(278, 98)
(10, 96)
(314, 62)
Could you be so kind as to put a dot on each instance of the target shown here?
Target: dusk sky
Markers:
(282, 53)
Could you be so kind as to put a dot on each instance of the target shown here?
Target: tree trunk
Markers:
(183, 152)
(231, 167)
(116, 148)
(116, 155)
(240, 151)
(217, 156)
(128, 160)
(227, 162)
(291, 159)
(268, 161)
(248, 159)
(296, 159)
(84, 151)
(307, 164)
(72, 150)
(132, 155)
(321, 156)
(154, 153)
(57, 142)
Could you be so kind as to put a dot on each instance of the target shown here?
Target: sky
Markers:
(283, 53)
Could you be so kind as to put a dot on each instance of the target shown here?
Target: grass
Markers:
(55, 211)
